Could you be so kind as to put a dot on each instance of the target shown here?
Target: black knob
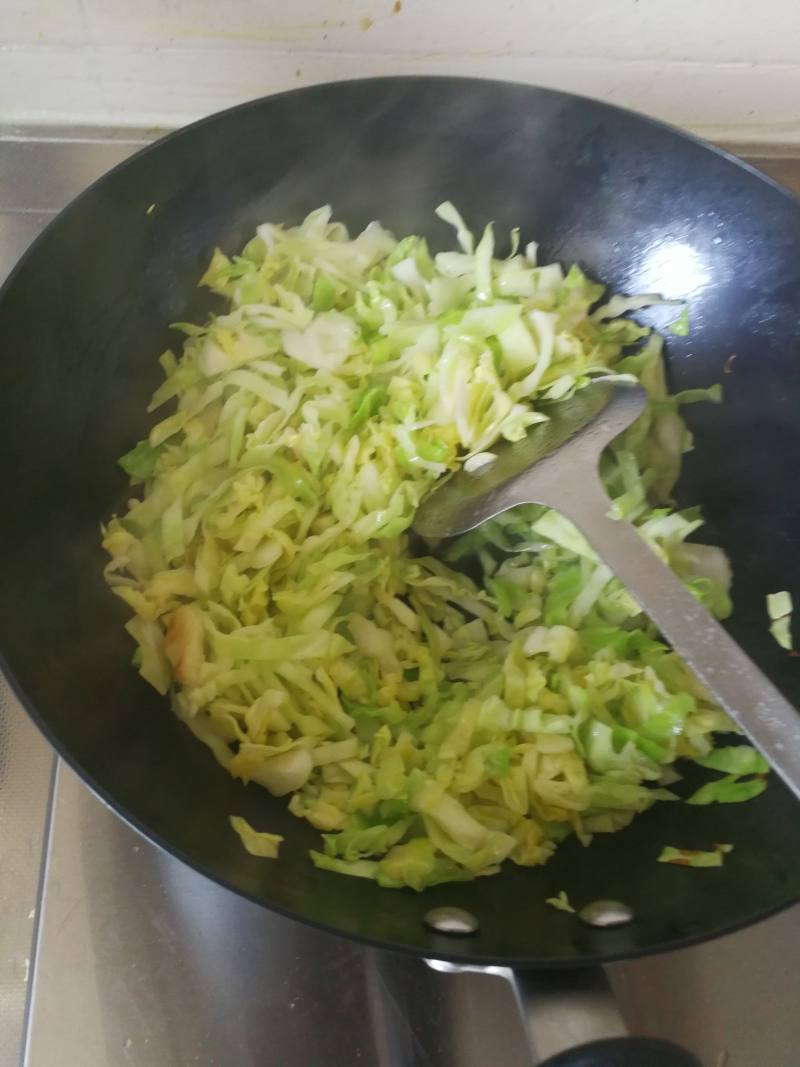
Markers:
(624, 1052)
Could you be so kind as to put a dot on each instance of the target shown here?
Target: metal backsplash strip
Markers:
(26, 767)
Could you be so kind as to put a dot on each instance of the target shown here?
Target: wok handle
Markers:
(572, 1020)
(565, 1009)
(747, 695)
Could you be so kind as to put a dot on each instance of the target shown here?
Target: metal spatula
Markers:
(557, 465)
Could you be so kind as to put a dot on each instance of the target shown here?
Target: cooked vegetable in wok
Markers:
(433, 710)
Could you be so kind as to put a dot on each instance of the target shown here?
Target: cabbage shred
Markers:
(434, 712)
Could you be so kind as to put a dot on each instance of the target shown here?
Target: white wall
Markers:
(728, 69)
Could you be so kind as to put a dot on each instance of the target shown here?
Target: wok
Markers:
(640, 206)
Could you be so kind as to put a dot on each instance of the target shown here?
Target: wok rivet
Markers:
(606, 913)
(455, 921)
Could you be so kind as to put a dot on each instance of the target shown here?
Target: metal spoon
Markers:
(556, 464)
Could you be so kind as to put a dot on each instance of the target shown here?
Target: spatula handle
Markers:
(749, 698)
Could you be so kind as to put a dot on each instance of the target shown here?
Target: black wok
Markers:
(83, 317)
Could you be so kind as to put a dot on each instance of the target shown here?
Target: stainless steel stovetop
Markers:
(112, 953)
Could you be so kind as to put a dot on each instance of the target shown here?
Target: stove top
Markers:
(113, 953)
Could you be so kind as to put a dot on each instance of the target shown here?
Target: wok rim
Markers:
(463, 957)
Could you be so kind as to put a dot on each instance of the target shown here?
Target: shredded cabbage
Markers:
(258, 843)
(680, 327)
(693, 857)
(560, 902)
(736, 759)
(728, 790)
(434, 712)
(779, 609)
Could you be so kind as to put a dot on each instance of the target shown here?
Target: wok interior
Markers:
(83, 319)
